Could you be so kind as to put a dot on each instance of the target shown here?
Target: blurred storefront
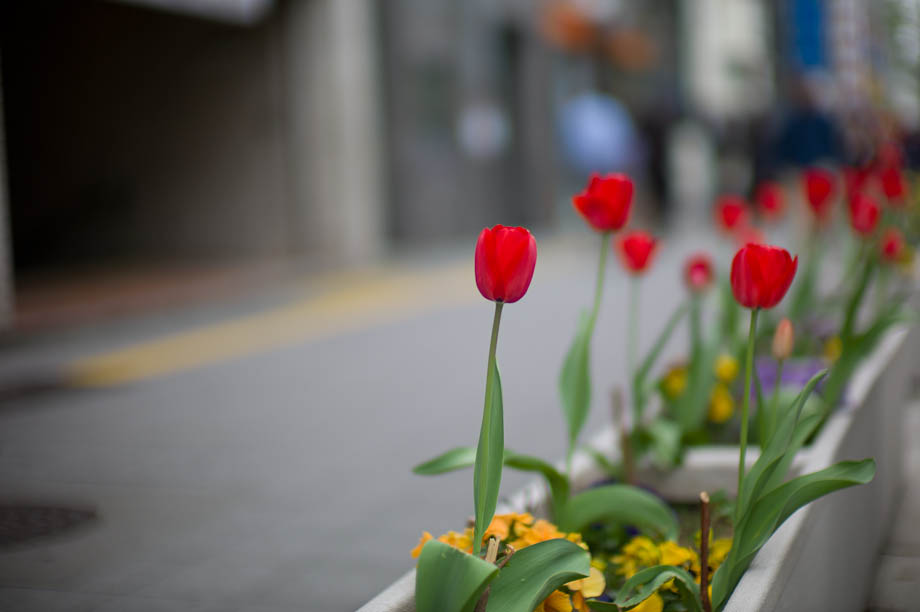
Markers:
(331, 131)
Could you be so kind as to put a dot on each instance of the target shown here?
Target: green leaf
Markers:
(646, 582)
(450, 580)
(609, 467)
(575, 379)
(693, 404)
(803, 430)
(771, 510)
(778, 447)
(621, 504)
(490, 454)
(803, 296)
(558, 484)
(465, 456)
(640, 379)
(730, 313)
(534, 572)
(665, 437)
(454, 459)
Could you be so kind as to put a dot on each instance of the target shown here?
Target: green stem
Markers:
(695, 327)
(632, 346)
(599, 283)
(479, 529)
(774, 404)
(881, 290)
(746, 403)
(855, 301)
(598, 292)
(804, 290)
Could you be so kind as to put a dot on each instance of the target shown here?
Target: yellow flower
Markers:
(674, 382)
(418, 549)
(653, 604)
(638, 553)
(592, 586)
(721, 404)
(500, 527)
(556, 602)
(832, 349)
(462, 541)
(718, 551)
(540, 531)
(726, 368)
(674, 554)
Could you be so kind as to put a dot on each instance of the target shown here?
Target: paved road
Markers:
(256, 455)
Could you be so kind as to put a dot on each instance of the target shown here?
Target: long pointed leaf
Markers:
(575, 379)
(558, 484)
(772, 509)
(622, 504)
(490, 454)
(772, 454)
(693, 404)
(534, 572)
(454, 459)
(465, 456)
(450, 580)
(640, 380)
(642, 584)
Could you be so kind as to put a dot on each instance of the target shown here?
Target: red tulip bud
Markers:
(505, 259)
(819, 189)
(698, 274)
(783, 340)
(605, 202)
(636, 249)
(761, 275)
(864, 213)
(892, 245)
(770, 200)
(893, 184)
(731, 213)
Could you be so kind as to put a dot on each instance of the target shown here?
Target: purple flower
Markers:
(796, 373)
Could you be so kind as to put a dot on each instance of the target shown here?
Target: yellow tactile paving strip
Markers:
(354, 302)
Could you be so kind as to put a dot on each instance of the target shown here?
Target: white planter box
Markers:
(823, 556)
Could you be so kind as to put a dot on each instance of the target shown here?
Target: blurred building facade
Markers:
(330, 131)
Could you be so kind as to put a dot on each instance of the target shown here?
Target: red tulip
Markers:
(893, 184)
(605, 202)
(892, 245)
(731, 213)
(864, 213)
(636, 249)
(770, 200)
(761, 275)
(698, 274)
(819, 187)
(505, 259)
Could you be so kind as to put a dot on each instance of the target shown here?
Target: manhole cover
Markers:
(22, 524)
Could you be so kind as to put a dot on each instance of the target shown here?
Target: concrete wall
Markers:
(142, 134)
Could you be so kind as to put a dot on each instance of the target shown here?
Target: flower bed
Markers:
(792, 571)
(628, 521)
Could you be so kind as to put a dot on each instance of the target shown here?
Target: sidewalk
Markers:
(897, 581)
